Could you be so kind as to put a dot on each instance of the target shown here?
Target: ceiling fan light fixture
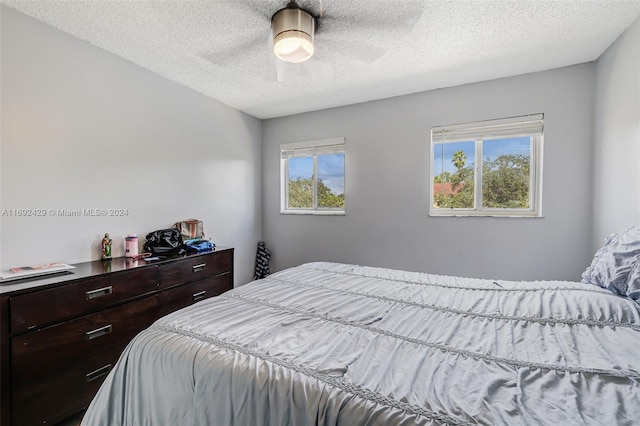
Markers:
(293, 46)
(293, 30)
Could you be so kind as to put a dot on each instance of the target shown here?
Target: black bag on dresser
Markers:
(164, 242)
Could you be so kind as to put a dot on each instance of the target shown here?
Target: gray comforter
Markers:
(328, 344)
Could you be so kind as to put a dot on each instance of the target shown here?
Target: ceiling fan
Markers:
(310, 39)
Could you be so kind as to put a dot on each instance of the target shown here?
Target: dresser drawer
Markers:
(62, 344)
(195, 268)
(49, 306)
(61, 392)
(180, 297)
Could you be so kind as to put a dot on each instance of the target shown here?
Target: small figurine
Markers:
(106, 247)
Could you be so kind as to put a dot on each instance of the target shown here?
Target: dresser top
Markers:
(89, 269)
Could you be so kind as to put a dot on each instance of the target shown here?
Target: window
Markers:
(490, 168)
(312, 177)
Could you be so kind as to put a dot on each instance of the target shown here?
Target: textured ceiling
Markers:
(365, 50)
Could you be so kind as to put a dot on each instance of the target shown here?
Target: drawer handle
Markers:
(199, 295)
(96, 374)
(99, 292)
(199, 267)
(98, 332)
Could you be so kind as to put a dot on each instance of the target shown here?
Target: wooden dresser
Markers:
(61, 335)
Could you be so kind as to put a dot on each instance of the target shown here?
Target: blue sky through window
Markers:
(330, 170)
(491, 149)
(300, 167)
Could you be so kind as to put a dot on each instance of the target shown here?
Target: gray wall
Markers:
(387, 172)
(616, 177)
(82, 128)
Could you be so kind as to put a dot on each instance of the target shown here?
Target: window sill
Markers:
(531, 215)
(314, 212)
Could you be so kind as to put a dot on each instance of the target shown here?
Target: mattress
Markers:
(336, 344)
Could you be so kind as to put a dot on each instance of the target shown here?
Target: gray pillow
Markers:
(612, 263)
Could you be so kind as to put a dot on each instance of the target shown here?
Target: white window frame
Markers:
(522, 126)
(308, 149)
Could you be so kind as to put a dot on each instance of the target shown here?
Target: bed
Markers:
(330, 343)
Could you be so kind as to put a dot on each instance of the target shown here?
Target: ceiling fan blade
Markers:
(318, 69)
(337, 15)
(362, 50)
(279, 67)
(220, 18)
(314, 69)
(283, 70)
(355, 32)
(252, 47)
